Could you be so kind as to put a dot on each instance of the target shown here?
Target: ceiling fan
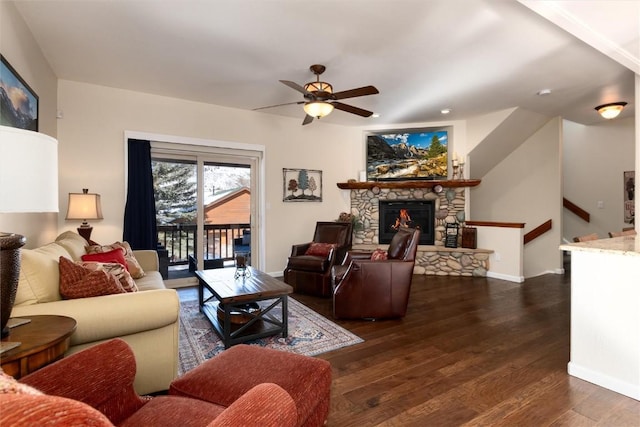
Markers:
(320, 99)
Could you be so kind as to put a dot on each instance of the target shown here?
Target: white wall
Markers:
(91, 151)
(526, 187)
(19, 48)
(594, 159)
(507, 260)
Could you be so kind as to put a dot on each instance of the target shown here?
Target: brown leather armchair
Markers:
(308, 269)
(366, 289)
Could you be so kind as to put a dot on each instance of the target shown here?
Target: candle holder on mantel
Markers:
(461, 170)
(455, 170)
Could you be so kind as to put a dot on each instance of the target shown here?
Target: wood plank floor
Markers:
(473, 352)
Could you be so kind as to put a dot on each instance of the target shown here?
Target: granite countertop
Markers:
(627, 245)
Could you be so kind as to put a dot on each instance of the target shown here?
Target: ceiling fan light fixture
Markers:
(611, 110)
(318, 109)
(322, 87)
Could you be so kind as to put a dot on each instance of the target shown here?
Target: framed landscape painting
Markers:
(18, 102)
(408, 155)
(302, 185)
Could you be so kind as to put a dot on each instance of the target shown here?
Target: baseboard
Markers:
(508, 277)
(602, 380)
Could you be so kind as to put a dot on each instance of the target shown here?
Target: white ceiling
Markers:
(473, 56)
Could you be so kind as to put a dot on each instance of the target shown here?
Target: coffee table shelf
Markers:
(219, 287)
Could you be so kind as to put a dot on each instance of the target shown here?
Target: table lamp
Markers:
(84, 206)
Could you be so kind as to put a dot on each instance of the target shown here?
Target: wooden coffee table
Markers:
(43, 340)
(224, 299)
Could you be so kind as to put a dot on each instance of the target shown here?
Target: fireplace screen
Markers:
(407, 213)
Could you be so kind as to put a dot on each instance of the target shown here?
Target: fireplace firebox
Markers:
(407, 213)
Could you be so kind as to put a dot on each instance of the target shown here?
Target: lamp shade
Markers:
(318, 109)
(28, 171)
(612, 110)
(84, 206)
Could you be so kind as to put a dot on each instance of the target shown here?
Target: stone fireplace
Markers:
(448, 207)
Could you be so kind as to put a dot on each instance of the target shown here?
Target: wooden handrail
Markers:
(576, 210)
(537, 232)
(494, 224)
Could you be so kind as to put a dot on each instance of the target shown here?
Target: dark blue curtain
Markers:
(140, 210)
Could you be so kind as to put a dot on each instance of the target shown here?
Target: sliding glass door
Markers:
(205, 205)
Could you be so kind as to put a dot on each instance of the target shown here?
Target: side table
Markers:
(43, 340)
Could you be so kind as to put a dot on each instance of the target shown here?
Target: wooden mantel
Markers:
(408, 184)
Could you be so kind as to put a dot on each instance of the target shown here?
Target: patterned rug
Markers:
(309, 334)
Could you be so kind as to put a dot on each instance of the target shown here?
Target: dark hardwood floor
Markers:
(471, 351)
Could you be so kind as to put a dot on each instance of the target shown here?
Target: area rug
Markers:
(309, 334)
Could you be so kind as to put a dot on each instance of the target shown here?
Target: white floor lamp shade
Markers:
(28, 183)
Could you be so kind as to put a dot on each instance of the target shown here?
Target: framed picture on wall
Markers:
(18, 102)
(302, 185)
(629, 197)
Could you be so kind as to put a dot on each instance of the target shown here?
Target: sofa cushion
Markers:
(74, 243)
(38, 281)
(132, 264)
(79, 282)
(51, 411)
(114, 256)
(398, 244)
(379, 255)
(151, 280)
(174, 411)
(308, 263)
(115, 269)
(319, 249)
(9, 385)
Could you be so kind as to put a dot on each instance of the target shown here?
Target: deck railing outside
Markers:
(180, 241)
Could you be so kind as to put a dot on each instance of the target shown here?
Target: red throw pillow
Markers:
(79, 282)
(116, 255)
(320, 249)
(379, 255)
(132, 264)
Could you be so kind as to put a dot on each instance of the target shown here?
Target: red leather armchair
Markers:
(366, 289)
(95, 387)
(308, 269)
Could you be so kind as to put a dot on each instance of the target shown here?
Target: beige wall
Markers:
(18, 46)
(91, 150)
(594, 158)
(91, 155)
(526, 187)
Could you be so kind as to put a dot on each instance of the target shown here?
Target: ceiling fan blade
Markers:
(352, 93)
(295, 86)
(352, 109)
(278, 105)
(307, 119)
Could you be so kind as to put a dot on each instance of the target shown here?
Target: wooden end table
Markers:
(42, 341)
(233, 295)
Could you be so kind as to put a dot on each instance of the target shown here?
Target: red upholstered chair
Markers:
(308, 269)
(376, 289)
(95, 387)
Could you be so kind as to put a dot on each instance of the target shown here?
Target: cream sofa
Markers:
(148, 320)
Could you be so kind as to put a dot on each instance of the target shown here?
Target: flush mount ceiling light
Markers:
(445, 111)
(318, 109)
(611, 110)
